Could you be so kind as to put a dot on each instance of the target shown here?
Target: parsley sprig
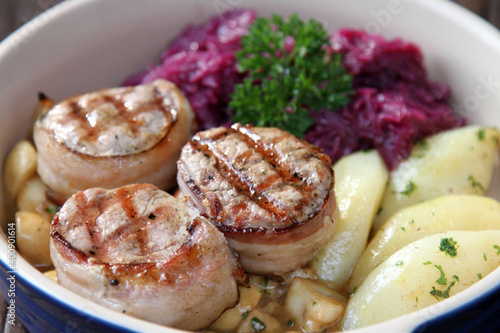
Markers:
(442, 281)
(448, 246)
(290, 72)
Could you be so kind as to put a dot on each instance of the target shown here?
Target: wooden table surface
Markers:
(14, 13)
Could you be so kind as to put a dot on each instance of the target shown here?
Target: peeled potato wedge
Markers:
(420, 275)
(313, 306)
(20, 165)
(32, 197)
(458, 161)
(259, 320)
(358, 190)
(231, 318)
(455, 212)
(33, 238)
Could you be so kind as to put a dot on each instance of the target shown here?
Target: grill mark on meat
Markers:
(238, 180)
(77, 114)
(255, 179)
(68, 161)
(88, 221)
(189, 254)
(67, 250)
(176, 270)
(197, 185)
(124, 196)
(127, 115)
(293, 176)
(156, 257)
(89, 216)
(270, 193)
(288, 175)
(195, 189)
(282, 177)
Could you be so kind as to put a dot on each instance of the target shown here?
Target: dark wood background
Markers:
(14, 13)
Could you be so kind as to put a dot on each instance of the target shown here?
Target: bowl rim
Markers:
(25, 272)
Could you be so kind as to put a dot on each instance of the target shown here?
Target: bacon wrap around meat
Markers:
(113, 137)
(270, 193)
(142, 252)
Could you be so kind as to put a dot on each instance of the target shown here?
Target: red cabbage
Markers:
(394, 105)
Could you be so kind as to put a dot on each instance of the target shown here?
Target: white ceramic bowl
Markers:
(83, 45)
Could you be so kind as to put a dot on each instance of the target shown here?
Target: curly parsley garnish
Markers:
(447, 245)
(290, 72)
(442, 281)
(442, 293)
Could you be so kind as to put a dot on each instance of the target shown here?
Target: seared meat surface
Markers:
(113, 137)
(269, 192)
(140, 251)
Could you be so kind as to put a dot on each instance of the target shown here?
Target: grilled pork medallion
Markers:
(140, 251)
(270, 193)
(113, 137)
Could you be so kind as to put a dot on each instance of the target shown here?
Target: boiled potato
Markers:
(360, 182)
(31, 195)
(231, 318)
(272, 308)
(20, 165)
(421, 274)
(259, 320)
(32, 198)
(313, 306)
(458, 161)
(33, 238)
(455, 212)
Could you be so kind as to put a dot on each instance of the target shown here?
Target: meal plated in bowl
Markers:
(55, 70)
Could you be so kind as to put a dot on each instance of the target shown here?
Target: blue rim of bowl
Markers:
(35, 292)
(482, 314)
